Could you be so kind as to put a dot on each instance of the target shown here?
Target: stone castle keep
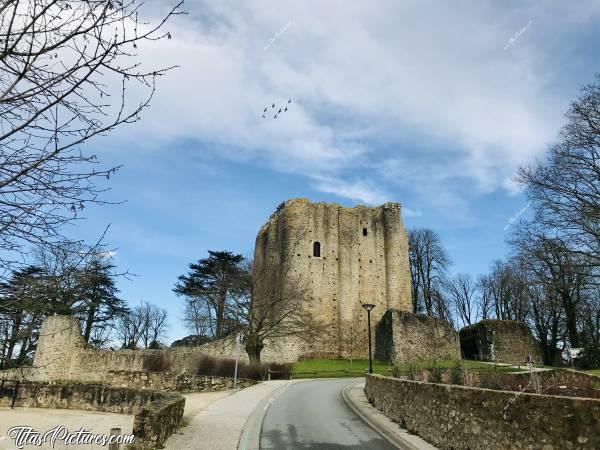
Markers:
(346, 256)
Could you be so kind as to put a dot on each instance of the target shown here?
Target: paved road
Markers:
(313, 415)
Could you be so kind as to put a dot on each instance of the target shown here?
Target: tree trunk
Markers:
(89, 321)
(14, 336)
(254, 347)
(571, 320)
(221, 312)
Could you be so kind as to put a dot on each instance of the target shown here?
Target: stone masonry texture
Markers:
(362, 258)
(465, 418)
(61, 355)
(403, 337)
(506, 341)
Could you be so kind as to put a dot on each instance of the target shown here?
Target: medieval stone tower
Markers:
(346, 256)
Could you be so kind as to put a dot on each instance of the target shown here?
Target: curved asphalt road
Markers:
(313, 415)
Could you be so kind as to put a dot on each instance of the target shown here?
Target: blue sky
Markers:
(421, 102)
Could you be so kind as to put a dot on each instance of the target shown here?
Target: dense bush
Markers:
(157, 362)
(223, 367)
(457, 373)
(436, 373)
(589, 358)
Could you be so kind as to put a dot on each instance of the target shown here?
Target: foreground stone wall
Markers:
(463, 418)
(403, 337)
(506, 341)
(363, 258)
(157, 414)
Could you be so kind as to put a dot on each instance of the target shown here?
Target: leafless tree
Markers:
(564, 274)
(548, 319)
(565, 188)
(154, 324)
(129, 329)
(353, 335)
(428, 264)
(462, 291)
(144, 325)
(60, 61)
(484, 300)
(506, 288)
(280, 311)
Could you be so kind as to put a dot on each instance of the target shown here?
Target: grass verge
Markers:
(340, 368)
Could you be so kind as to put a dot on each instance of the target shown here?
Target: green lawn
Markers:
(594, 372)
(336, 368)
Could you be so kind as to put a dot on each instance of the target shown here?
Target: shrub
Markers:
(225, 367)
(457, 373)
(251, 371)
(413, 372)
(280, 371)
(157, 362)
(436, 373)
(491, 381)
(589, 358)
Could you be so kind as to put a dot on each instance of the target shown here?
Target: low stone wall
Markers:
(463, 418)
(555, 376)
(154, 423)
(157, 414)
(506, 341)
(403, 337)
(171, 381)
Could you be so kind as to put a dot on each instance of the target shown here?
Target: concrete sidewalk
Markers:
(357, 400)
(221, 425)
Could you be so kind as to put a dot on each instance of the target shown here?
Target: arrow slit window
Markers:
(317, 249)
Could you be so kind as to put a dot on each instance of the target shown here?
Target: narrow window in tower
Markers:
(317, 249)
(364, 231)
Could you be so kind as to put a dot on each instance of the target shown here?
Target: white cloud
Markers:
(108, 254)
(360, 74)
(361, 190)
(407, 212)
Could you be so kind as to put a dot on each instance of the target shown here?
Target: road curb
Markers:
(355, 398)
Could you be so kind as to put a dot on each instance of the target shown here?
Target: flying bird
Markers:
(275, 116)
(279, 112)
(264, 116)
(285, 109)
(273, 105)
(290, 100)
(265, 110)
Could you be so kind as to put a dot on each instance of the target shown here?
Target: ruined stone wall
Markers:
(403, 337)
(506, 341)
(363, 259)
(464, 418)
(62, 355)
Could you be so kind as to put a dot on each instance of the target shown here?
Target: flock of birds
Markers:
(281, 110)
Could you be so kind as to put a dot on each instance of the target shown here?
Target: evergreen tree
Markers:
(208, 288)
(97, 291)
